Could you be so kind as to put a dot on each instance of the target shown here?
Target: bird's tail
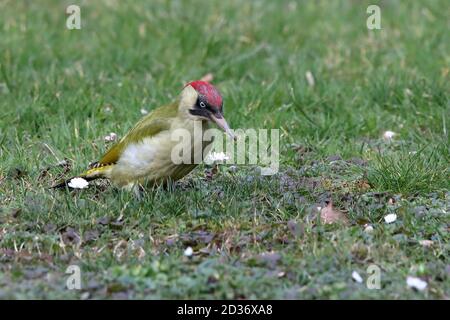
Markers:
(95, 172)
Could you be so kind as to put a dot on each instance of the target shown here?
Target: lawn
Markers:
(253, 237)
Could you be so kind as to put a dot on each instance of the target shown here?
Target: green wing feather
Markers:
(156, 121)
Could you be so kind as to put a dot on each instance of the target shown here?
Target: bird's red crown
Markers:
(206, 89)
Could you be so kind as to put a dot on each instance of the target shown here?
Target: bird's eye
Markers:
(202, 104)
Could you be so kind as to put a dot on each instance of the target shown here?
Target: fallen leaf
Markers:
(362, 185)
(207, 77)
(329, 215)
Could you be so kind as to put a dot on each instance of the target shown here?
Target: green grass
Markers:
(62, 91)
(412, 173)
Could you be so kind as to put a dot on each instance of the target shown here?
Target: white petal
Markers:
(62, 163)
(78, 183)
(416, 283)
(388, 135)
(390, 218)
(310, 78)
(143, 111)
(426, 243)
(217, 156)
(408, 92)
(111, 137)
(357, 277)
(188, 252)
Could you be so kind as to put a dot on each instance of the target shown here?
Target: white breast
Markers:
(151, 157)
(137, 156)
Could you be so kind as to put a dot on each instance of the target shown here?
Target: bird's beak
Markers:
(222, 123)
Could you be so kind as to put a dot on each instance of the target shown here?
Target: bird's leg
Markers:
(136, 188)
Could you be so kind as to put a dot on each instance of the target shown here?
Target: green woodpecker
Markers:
(143, 155)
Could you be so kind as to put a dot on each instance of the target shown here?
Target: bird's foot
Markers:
(136, 188)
